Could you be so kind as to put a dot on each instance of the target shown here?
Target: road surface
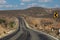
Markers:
(24, 33)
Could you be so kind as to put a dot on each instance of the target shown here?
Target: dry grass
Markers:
(6, 26)
(43, 24)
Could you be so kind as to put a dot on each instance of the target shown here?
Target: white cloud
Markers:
(56, 5)
(8, 6)
(26, 0)
(1, 6)
(21, 3)
(45, 0)
(42, 5)
(32, 5)
(35, 5)
(2, 1)
(4, 4)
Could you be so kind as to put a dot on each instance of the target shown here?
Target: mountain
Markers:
(33, 11)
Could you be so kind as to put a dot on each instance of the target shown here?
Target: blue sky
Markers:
(23, 4)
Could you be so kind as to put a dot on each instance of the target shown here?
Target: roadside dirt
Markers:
(47, 25)
(7, 24)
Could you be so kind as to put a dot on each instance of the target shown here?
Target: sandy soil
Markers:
(45, 25)
(6, 27)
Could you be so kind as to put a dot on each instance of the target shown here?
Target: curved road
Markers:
(26, 34)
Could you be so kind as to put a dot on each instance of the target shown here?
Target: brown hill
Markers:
(33, 11)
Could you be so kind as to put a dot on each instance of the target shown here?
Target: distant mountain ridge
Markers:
(33, 11)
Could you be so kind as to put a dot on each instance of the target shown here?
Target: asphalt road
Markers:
(26, 34)
(33, 34)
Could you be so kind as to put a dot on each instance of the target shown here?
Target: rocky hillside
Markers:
(33, 11)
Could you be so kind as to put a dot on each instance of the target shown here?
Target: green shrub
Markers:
(2, 21)
(11, 24)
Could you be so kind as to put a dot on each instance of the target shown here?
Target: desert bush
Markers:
(2, 21)
(45, 23)
(11, 24)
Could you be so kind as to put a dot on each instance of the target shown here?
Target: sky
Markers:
(23, 4)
